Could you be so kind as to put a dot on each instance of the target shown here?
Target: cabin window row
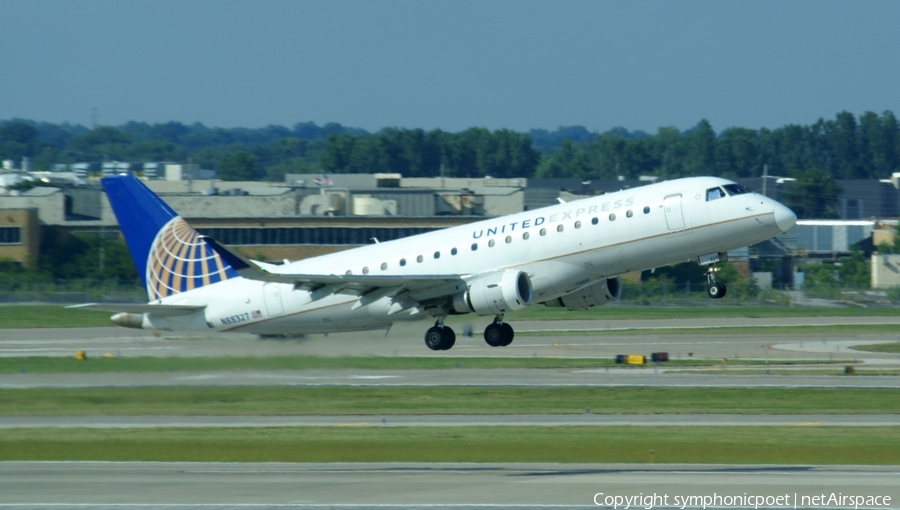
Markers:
(308, 235)
(507, 240)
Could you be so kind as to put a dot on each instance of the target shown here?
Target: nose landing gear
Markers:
(713, 289)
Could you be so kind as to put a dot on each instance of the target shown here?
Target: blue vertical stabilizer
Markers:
(169, 255)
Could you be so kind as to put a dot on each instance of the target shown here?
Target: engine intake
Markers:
(495, 293)
(600, 293)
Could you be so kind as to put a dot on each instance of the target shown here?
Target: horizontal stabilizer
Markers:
(160, 310)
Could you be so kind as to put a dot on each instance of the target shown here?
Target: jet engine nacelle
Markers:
(128, 320)
(600, 293)
(495, 293)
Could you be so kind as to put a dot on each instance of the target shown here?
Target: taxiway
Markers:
(186, 485)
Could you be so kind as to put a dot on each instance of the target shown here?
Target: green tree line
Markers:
(846, 147)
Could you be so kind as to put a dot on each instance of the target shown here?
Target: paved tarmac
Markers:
(149, 486)
(510, 377)
(405, 339)
(451, 420)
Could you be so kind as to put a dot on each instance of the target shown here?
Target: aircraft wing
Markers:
(161, 310)
(418, 287)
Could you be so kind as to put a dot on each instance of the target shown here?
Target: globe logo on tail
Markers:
(180, 261)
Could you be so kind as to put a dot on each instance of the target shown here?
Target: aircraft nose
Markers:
(784, 217)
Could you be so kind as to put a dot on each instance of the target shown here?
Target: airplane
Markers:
(567, 255)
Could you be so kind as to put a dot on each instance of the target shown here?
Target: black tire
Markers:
(716, 291)
(434, 338)
(510, 334)
(449, 339)
(494, 334)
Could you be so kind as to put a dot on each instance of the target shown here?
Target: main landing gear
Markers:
(440, 337)
(498, 333)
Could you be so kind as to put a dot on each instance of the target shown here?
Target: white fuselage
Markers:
(562, 248)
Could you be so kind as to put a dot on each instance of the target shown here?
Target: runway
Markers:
(468, 420)
(77, 485)
(508, 377)
(582, 339)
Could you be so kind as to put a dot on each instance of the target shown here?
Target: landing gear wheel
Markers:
(450, 339)
(498, 335)
(494, 334)
(716, 290)
(434, 337)
(439, 338)
(508, 331)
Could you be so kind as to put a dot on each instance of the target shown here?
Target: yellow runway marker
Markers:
(810, 423)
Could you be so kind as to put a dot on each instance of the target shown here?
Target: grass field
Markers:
(886, 347)
(801, 445)
(711, 310)
(375, 401)
(57, 316)
(50, 316)
(851, 330)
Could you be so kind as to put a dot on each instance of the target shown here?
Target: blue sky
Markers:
(449, 64)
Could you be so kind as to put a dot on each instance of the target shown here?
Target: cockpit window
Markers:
(714, 193)
(737, 189)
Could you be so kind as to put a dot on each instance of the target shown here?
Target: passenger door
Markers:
(674, 215)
